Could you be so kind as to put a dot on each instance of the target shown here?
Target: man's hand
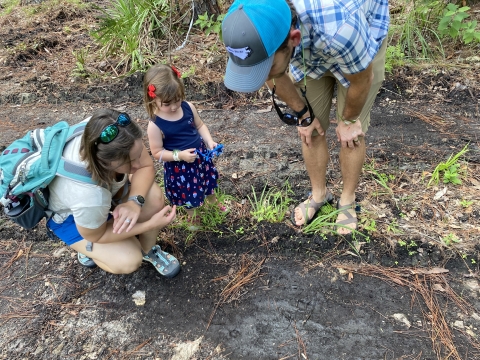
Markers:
(348, 135)
(306, 132)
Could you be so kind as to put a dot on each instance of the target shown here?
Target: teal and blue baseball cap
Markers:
(252, 31)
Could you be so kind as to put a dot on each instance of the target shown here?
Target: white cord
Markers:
(190, 28)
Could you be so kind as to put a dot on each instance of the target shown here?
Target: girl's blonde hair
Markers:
(167, 84)
(99, 156)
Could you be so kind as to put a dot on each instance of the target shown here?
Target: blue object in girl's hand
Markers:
(209, 154)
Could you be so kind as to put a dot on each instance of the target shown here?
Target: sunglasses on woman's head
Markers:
(111, 131)
(290, 119)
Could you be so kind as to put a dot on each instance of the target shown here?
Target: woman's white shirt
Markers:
(89, 204)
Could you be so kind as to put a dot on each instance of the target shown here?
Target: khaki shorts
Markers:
(320, 93)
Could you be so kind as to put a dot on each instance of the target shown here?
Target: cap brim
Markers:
(247, 78)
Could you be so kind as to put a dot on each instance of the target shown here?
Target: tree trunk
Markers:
(210, 6)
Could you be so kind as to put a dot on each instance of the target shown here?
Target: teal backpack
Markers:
(29, 164)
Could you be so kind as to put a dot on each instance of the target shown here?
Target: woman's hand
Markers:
(164, 217)
(188, 155)
(348, 135)
(125, 216)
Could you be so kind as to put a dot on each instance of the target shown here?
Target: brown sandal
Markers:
(350, 219)
(316, 206)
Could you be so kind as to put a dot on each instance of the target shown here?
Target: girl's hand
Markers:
(125, 216)
(188, 155)
(164, 217)
(211, 145)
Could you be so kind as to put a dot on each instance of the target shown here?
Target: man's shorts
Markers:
(320, 93)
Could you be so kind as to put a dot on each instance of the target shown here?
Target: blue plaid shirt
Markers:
(342, 36)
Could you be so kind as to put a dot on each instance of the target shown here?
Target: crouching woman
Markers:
(115, 223)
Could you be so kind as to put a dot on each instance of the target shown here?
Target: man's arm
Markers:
(357, 93)
(287, 91)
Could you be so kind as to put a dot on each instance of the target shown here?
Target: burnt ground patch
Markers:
(253, 290)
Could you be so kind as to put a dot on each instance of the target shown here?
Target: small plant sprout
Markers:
(450, 239)
(449, 169)
(451, 175)
(80, 69)
(466, 203)
(370, 225)
(189, 72)
(392, 228)
(380, 178)
(402, 243)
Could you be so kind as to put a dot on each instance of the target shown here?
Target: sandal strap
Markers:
(314, 205)
(343, 209)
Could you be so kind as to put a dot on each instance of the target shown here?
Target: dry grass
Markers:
(236, 287)
(431, 289)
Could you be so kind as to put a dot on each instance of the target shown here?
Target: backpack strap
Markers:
(55, 135)
(70, 169)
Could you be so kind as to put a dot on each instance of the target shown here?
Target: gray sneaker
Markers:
(86, 261)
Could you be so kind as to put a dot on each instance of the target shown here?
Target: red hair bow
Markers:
(176, 71)
(151, 91)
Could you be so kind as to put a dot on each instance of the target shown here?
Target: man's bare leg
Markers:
(351, 163)
(316, 160)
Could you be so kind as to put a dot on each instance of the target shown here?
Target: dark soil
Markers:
(259, 290)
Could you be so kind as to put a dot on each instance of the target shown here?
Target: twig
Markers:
(249, 271)
(302, 350)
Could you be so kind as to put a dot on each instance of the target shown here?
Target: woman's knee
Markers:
(125, 263)
(154, 202)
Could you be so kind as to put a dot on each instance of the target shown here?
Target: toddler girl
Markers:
(176, 134)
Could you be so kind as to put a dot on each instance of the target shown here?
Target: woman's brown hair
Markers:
(99, 156)
(167, 86)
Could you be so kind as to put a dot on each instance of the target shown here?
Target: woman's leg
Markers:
(154, 202)
(123, 257)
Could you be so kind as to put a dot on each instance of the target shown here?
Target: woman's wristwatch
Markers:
(138, 199)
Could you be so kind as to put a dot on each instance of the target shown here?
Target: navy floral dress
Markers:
(186, 184)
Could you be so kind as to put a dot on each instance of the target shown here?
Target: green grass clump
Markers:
(272, 204)
(130, 30)
(449, 169)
